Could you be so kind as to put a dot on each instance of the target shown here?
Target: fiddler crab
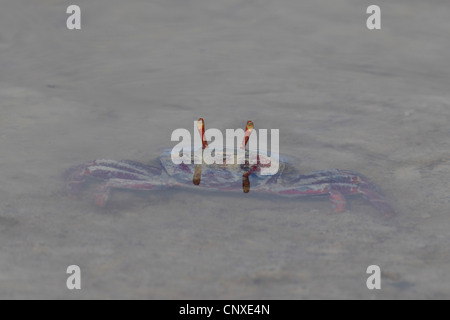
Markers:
(125, 174)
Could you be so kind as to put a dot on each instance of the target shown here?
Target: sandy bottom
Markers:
(342, 96)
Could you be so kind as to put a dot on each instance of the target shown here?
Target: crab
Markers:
(126, 174)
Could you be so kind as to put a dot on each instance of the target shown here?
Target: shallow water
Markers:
(376, 102)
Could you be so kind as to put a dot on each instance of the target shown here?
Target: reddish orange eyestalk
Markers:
(201, 130)
(245, 177)
(248, 132)
(198, 168)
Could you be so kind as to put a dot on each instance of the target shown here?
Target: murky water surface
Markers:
(376, 102)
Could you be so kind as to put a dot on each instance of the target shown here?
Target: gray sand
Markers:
(376, 102)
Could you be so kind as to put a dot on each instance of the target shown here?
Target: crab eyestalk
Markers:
(245, 179)
(198, 167)
(248, 132)
(201, 130)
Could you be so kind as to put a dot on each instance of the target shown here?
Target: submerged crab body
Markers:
(125, 174)
(221, 176)
(239, 170)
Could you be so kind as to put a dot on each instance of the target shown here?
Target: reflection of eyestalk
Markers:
(246, 182)
(197, 174)
(198, 167)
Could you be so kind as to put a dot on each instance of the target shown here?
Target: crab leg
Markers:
(198, 167)
(124, 169)
(336, 192)
(104, 190)
(335, 177)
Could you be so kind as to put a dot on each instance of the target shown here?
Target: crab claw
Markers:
(102, 195)
(338, 201)
(100, 199)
